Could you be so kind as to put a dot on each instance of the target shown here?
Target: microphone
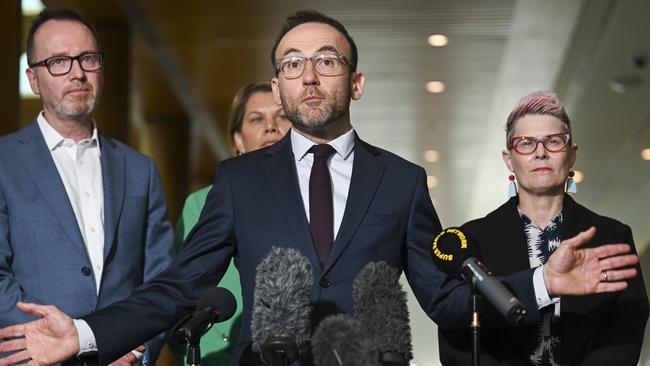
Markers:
(338, 341)
(280, 323)
(455, 253)
(215, 305)
(380, 306)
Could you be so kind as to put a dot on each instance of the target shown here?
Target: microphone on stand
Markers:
(381, 308)
(455, 253)
(280, 324)
(215, 305)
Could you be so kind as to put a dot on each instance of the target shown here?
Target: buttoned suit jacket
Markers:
(43, 258)
(255, 204)
(600, 329)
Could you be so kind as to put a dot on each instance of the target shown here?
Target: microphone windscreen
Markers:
(381, 308)
(281, 304)
(451, 248)
(339, 340)
(218, 298)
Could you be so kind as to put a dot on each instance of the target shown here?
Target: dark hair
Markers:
(312, 16)
(539, 102)
(238, 107)
(59, 14)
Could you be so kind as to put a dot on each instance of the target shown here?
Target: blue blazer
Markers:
(43, 258)
(255, 204)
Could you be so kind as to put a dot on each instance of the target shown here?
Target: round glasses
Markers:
(325, 64)
(526, 145)
(61, 65)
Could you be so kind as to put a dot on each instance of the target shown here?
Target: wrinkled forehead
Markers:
(538, 125)
(63, 37)
(311, 38)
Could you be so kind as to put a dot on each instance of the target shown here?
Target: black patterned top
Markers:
(541, 244)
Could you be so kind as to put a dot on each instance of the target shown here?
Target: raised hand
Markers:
(51, 339)
(572, 270)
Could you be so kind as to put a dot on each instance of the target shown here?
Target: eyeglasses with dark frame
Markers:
(527, 145)
(61, 65)
(325, 64)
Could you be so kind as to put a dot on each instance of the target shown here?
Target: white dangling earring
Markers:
(571, 186)
(512, 186)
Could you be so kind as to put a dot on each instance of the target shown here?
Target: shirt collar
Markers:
(53, 139)
(343, 144)
(554, 222)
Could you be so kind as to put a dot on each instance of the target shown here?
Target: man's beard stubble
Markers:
(76, 111)
(330, 113)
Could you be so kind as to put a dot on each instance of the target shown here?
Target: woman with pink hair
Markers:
(600, 329)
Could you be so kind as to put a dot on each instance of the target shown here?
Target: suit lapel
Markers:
(508, 251)
(113, 176)
(280, 171)
(38, 162)
(367, 171)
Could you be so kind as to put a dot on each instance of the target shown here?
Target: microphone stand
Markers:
(476, 325)
(194, 351)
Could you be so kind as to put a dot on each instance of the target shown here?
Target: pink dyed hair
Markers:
(539, 102)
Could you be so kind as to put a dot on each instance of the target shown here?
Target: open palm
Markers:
(48, 340)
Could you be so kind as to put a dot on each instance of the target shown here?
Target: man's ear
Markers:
(33, 81)
(358, 81)
(275, 87)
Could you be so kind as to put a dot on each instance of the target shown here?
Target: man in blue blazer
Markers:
(380, 209)
(83, 220)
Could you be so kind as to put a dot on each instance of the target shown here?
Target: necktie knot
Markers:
(322, 151)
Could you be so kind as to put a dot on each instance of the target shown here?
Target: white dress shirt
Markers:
(340, 167)
(80, 170)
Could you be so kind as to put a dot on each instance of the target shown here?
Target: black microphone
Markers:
(215, 305)
(455, 253)
(380, 306)
(339, 341)
(280, 324)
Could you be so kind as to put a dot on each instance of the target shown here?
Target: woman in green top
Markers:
(254, 121)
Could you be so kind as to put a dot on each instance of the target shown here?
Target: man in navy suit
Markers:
(83, 220)
(379, 209)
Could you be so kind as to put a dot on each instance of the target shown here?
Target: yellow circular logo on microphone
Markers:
(448, 257)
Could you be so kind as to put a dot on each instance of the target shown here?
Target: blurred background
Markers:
(442, 76)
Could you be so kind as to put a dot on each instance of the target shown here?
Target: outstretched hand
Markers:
(572, 270)
(51, 339)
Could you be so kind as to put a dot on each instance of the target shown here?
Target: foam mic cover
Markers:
(339, 341)
(280, 322)
(380, 306)
(215, 305)
(451, 248)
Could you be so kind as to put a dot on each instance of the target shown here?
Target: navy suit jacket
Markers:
(601, 329)
(255, 204)
(43, 258)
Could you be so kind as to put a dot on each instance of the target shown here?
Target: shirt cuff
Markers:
(541, 294)
(87, 342)
(138, 355)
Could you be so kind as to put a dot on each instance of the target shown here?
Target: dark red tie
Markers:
(321, 212)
